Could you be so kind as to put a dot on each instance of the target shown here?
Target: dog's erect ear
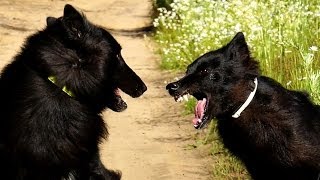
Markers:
(70, 12)
(73, 19)
(237, 49)
(51, 20)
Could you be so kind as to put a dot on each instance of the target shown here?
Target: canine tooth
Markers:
(185, 97)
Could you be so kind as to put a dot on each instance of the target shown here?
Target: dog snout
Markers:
(172, 88)
(141, 88)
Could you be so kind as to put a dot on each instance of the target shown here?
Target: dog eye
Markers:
(204, 71)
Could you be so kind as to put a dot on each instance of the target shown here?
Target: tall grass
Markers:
(283, 35)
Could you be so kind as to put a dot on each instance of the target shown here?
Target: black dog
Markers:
(277, 135)
(52, 95)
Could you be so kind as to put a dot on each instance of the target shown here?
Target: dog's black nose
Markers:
(172, 86)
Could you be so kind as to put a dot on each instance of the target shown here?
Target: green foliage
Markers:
(284, 36)
(190, 105)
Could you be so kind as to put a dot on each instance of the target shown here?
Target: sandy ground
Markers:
(150, 140)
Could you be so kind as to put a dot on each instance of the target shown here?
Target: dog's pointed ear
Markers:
(73, 20)
(51, 20)
(238, 49)
(70, 12)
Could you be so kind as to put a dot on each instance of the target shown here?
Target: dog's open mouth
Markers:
(199, 112)
(117, 92)
(118, 104)
(201, 117)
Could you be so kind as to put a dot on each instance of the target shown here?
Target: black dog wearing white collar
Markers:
(273, 130)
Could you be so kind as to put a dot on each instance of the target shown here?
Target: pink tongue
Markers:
(199, 112)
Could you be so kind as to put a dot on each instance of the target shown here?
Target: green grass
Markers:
(283, 36)
(280, 36)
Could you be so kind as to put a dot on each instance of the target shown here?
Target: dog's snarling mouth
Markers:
(201, 115)
(199, 112)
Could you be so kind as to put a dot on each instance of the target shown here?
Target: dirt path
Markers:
(150, 140)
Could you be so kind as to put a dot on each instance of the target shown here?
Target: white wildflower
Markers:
(237, 27)
(313, 48)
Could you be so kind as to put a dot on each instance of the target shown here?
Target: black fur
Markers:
(277, 136)
(44, 133)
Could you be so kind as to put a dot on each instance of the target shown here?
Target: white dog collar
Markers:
(245, 104)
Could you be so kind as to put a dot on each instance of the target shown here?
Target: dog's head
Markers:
(85, 59)
(212, 78)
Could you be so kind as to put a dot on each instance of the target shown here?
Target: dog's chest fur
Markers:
(278, 129)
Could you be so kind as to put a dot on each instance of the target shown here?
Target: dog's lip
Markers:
(123, 104)
(205, 121)
(117, 92)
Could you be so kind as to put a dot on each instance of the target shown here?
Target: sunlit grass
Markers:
(284, 36)
(279, 35)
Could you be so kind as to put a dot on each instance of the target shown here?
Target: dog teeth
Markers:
(185, 97)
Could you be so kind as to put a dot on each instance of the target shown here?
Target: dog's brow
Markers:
(203, 65)
(190, 68)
